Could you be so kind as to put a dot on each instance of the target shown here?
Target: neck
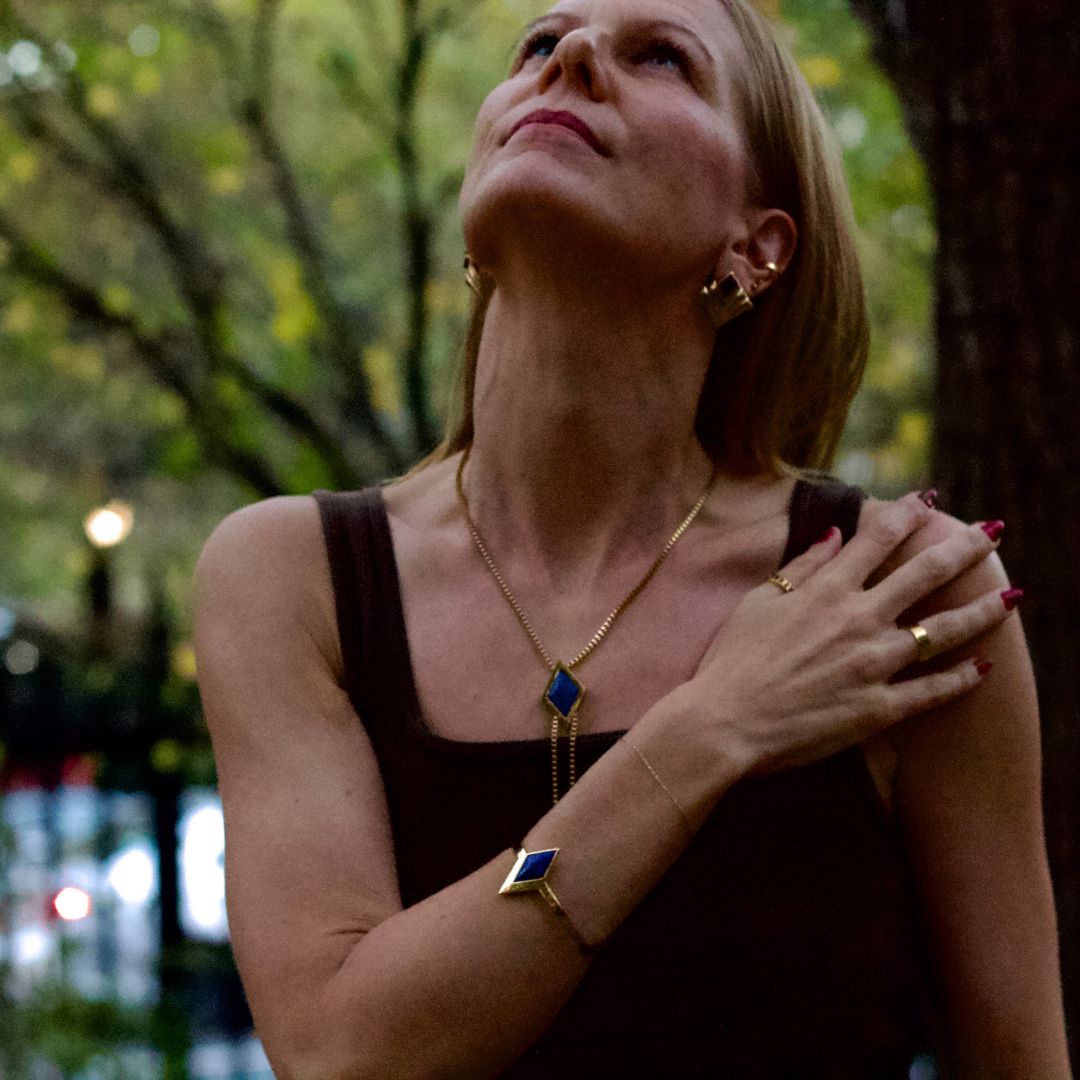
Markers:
(586, 395)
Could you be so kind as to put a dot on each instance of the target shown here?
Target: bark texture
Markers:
(991, 92)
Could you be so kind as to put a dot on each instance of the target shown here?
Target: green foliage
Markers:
(886, 444)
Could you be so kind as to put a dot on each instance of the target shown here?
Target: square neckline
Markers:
(399, 641)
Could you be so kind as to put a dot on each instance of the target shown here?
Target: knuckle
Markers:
(889, 531)
(889, 705)
(938, 563)
(947, 628)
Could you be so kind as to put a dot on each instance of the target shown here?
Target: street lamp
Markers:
(110, 525)
(105, 528)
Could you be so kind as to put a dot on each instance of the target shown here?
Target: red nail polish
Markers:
(929, 497)
(993, 529)
(1011, 597)
(983, 666)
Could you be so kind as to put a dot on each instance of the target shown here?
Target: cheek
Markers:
(695, 167)
(483, 142)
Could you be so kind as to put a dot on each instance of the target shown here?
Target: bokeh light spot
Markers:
(72, 904)
(103, 100)
(24, 58)
(144, 40)
(110, 525)
(133, 874)
(22, 658)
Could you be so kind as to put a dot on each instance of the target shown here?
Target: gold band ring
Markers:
(781, 583)
(922, 643)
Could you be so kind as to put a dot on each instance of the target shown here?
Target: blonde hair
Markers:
(782, 377)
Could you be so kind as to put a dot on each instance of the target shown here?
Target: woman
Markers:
(731, 895)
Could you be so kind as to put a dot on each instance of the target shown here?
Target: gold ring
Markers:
(781, 583)
(922, 643)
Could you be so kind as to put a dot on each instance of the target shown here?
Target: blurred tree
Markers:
(992, 98)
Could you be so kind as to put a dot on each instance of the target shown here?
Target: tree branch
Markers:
(197, 274)
(417, 221)
(34, 266)
(343, 346)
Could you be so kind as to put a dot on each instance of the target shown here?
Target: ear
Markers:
(771, 237)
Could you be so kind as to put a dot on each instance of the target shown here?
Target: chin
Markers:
(538, 203)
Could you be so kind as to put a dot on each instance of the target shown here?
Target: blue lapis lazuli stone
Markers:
(563, 692)
(535, 866)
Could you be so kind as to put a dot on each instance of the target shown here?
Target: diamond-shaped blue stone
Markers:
(564, 691)
(535, 866)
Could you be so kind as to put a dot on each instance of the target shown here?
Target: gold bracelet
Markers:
(656, 777)
(529, 874)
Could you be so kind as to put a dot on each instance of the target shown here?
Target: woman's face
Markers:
(617, 132)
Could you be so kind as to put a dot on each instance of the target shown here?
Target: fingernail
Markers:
(1011, 597)
(993, 529)
(983, 666)
(828, 535)
(929, 497)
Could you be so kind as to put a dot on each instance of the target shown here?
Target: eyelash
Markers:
(663, 48)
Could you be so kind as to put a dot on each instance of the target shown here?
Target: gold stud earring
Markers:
(725, 300)
(472, 276)
(772, 268)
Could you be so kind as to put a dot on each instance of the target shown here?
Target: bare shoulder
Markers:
(266, 566)
(264, 536)
(936, 528)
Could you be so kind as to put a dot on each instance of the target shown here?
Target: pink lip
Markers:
(562, 119)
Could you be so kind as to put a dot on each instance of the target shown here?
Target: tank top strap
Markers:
(367, 599)
(817, 504)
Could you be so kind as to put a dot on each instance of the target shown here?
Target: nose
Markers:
(577, 60)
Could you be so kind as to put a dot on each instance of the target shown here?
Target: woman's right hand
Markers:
(794, 677)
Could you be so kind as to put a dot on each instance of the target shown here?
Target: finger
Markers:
(801, 569)
(949, 630)
(879, 535)
(930, 569)
(929, 691)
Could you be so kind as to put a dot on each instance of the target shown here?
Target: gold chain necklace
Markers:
(564, 692)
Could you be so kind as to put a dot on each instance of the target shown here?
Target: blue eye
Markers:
(541, 45)
(666, 56)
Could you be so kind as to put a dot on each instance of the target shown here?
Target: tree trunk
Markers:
(992, 97)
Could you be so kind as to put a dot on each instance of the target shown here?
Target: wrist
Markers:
(695, 755)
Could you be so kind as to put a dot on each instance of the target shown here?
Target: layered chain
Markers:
(594, 641)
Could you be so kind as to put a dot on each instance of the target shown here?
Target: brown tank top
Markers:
(781, 945)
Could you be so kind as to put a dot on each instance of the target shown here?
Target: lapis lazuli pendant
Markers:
(529, 871)
(563, 694)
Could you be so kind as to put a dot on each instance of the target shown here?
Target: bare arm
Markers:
(340, 978)
(968, 799)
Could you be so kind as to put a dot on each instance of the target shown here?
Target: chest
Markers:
(479, 676)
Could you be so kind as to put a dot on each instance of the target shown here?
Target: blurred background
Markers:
(230, 268)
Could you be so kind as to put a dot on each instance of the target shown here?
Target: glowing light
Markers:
(22, 658)
(110, 525)
(24, 58)
(72, 904)
(133, 874)
(31, 945)
(66, 55)
(202, 873)
(144, 40)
